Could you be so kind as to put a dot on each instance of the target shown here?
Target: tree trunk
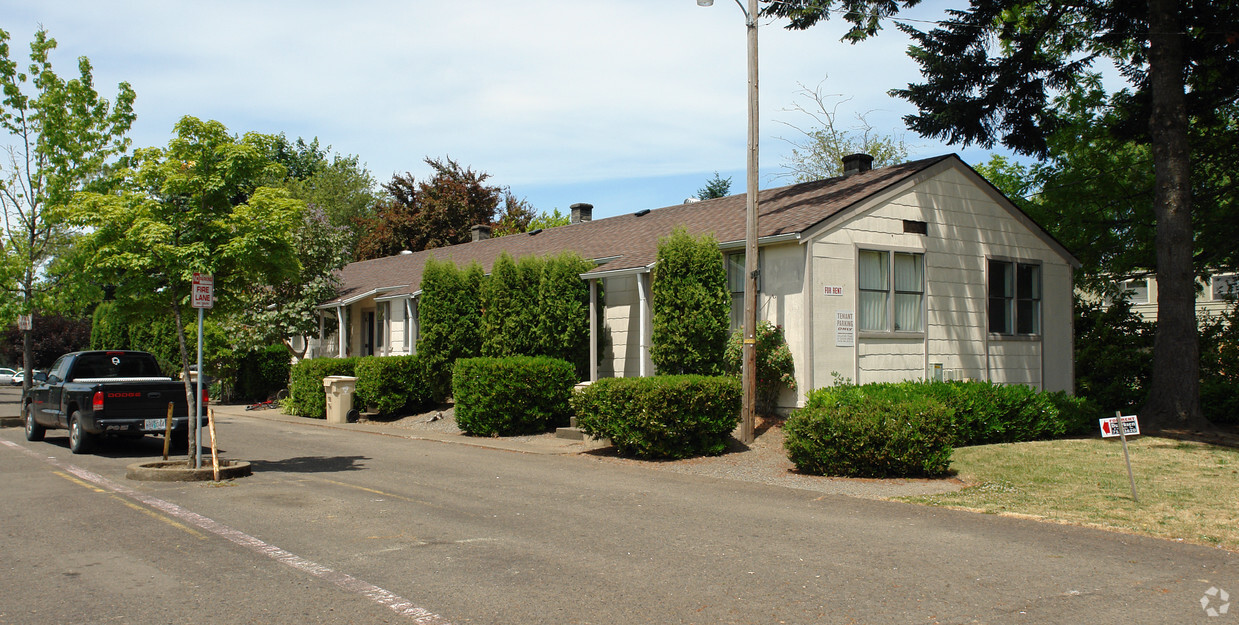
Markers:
(1174, 395)
(190, 399)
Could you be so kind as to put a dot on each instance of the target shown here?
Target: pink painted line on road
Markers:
(347, 582)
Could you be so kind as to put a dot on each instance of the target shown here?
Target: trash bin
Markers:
(339, 389)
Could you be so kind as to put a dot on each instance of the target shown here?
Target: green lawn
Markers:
(1188, 491)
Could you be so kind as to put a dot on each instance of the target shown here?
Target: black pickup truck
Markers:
(105, 393)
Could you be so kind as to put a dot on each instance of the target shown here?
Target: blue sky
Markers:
(626, 104)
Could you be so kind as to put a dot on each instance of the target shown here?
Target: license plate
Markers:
(156, 424)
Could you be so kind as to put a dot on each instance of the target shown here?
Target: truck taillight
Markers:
(96, 403)
(206, 397)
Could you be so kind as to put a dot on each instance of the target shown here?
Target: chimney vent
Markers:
(481, 232)
(857, 163)
(582, 212)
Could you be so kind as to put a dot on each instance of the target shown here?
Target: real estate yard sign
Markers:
(1122, 427)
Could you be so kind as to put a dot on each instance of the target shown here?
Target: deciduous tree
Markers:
(63, 134)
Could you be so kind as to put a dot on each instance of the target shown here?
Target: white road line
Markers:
(385, 598)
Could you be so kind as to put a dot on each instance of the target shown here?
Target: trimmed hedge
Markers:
(906, 429)
(676, 416)
(261, 373)
(391, 385)
(846, 431)
(306, 397)
(691, 305)
(513, 395)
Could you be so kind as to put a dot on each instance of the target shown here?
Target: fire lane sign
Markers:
(1110, 426)
(203, 290)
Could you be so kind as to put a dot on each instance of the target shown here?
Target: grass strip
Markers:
(1188, 491)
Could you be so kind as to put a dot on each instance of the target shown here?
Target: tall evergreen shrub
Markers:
(449, 319)
(109, 329)
(563, 312)
(510, 308)
(691, 305)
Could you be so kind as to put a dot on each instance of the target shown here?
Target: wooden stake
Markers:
(1126, 456)
(167, 432)
(214, 449)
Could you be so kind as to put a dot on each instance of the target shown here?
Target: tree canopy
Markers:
(63, 134)
(819, 150)
(194, 206)
(715, 187)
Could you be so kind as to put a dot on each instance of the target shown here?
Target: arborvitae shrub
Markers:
(691, 305)
(563, 311)
(449, 320)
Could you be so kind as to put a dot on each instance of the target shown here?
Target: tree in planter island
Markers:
(194, 206)
(692, 306)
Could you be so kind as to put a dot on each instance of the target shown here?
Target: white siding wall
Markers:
(781, 302)
(620, 322)
(965, 227)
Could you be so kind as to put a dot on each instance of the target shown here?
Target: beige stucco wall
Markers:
(966, 226)
(620, 327)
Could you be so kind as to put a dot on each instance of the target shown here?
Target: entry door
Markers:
(367, 333)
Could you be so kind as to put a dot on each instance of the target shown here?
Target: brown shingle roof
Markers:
(631, 241)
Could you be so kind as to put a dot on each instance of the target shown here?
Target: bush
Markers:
(450, 321)
(691, 305)
(261, 373)
(987, 413)
(855, 432)
(563, 315)
(1219, 367)
(1113, 354)
(513, 395)
(661, 417)
(776, 370)
(391, 384)
(306, 397)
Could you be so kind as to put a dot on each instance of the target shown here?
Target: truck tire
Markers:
(34, 431)
(80, 441)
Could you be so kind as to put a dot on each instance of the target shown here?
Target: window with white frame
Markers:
(892, 291)
(1224, 286)
(1137, 289)
(1014, 297)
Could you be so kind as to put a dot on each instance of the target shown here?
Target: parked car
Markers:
(20, 376)
(6, 375)
(105, 393)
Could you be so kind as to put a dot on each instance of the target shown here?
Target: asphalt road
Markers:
(340, 526)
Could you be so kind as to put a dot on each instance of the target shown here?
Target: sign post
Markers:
(203, 295)
(1121, 426)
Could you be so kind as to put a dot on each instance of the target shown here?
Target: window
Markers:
(1225, 286)
(1014, 297)
(1138, 289)
(878, 290)
(735, 284)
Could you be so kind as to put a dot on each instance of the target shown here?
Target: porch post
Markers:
(643, 287)
(343, 336)
(593, 330)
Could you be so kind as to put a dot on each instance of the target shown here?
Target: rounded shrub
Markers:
(674, 416)
(306, 397)
(846, 431)
(391, 385)
(776, 370)
(514, 395)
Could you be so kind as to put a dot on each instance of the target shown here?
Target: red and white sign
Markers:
(1110, 427)
(25, 323)
(203, 290)
(834, 291)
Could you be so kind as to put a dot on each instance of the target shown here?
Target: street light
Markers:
(749, 349)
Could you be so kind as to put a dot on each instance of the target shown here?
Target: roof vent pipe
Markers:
(857, 163)
(481, 232)
(582, 212)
